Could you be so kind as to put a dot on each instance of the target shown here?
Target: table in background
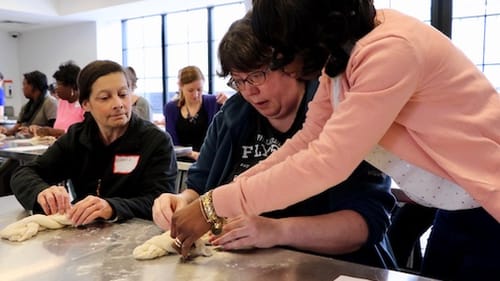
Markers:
(25, 150)
(8, 123)
(104, 252)
(20, 149)
(182, 169)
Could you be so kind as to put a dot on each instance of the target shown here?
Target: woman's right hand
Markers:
(194, 155)
(221, 98)
(164, 207)
(33, 129)
(39, 131)
(54, 199)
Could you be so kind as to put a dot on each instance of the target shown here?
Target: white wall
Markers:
(9, 63)
(44, 50)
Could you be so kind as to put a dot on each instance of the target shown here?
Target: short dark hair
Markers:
(132, 76)
(239, 49)
(93, 71)
(1, 76)
(37, 80)
(67, 74)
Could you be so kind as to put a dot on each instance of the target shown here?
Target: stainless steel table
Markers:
(104, 252)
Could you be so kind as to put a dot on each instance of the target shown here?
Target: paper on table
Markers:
(349, 278)
(183, 150)
(26, 148)
(21, 141)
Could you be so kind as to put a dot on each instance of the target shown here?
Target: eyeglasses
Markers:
(255, 78)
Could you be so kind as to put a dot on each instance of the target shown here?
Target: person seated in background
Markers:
(114, 175)
(348, 221)
(187, 118)
(140, 105)
(69, 110)
(40, 110)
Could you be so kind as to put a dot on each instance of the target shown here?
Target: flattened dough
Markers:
(161, 245)
(46, 140)
(29, 226)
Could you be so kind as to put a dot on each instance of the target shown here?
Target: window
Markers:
(419, 9)
(143, 51)
(158, 46)
(220, 24)
(186, 44)
(474, 26)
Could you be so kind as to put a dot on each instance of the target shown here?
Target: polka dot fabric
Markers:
(418, 184)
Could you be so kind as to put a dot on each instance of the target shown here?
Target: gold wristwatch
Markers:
(208, 211)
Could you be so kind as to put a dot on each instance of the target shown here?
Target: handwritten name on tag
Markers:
(124, 164)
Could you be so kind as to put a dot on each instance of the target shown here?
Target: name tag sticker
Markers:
(125, 164)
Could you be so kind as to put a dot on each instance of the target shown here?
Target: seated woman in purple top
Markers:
(187, 118)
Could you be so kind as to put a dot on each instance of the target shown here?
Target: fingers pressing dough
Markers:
(161, 245)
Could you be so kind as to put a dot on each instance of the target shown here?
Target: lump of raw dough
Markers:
(45, 140)
(29, 226)
(161, 245)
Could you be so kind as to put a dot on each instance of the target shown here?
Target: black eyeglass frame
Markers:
(233, 83)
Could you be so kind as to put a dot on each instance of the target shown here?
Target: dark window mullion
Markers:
(441, 15)
(164, 59)
(209, 48)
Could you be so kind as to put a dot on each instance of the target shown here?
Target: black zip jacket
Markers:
(105, 171)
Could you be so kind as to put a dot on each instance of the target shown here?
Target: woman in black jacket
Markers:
(115, 174)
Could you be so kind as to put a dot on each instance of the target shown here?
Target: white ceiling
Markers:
(26, 15)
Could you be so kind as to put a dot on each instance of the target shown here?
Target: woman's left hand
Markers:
(188, 225)
(194, 155)
(252, 231)
(89, 209)
(221, 98)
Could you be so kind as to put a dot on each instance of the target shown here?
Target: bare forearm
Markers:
(335, 233)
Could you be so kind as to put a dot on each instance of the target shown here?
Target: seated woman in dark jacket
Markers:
(114, 174)
(348, 221)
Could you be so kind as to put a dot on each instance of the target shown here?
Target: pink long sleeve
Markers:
(406, 88)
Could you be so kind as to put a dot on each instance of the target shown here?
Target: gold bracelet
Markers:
(209, 213)
(203, 210)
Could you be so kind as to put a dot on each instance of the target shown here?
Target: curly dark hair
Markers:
(319, 32)
(67, 74)
(239, 49)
